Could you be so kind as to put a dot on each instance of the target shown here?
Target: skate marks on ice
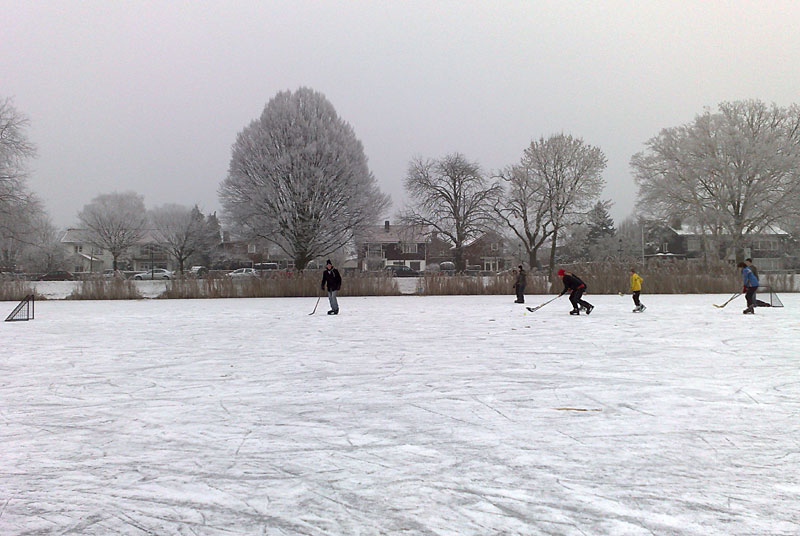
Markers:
(414, 415)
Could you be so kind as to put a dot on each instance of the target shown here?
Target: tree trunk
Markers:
(459, 259)
(553, 255)
(533, 262)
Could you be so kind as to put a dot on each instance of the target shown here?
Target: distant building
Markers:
(385, 245)
(489, 251)
(771, 249)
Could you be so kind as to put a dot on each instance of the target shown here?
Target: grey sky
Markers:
(149, 96)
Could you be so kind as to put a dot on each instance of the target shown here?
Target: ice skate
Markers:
(589, 309)
(575, 312)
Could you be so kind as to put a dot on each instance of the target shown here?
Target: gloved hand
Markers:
(744, 290)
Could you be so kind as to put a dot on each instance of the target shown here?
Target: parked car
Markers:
(198, 271)
(242, 272)
(265, 266)
(447, 267)
(401, 271)
(156, 273)
(113, 274)
(58, 275)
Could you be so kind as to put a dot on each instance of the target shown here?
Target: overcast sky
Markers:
(149, 95)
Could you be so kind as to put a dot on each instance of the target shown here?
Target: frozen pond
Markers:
(413, 415)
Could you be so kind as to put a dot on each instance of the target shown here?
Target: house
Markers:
(489, 251)
(82, 256)
(381, 246)
(771, 249)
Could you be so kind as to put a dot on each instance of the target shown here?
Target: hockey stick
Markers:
(534, 309)
(315, 306)
(729, 301)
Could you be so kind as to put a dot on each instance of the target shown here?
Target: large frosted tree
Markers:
(298, 177)
(114, 222)
(569, 174)
(452, 196)
(523, 207)
(730, 173)
(19, 208)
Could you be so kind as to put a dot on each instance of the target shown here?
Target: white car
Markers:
(242, 272)
(156, 273)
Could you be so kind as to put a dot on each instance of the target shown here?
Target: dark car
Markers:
(58, 275)
(401, 271)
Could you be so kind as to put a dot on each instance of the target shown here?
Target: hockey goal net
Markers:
(23, 311)
(766, 297)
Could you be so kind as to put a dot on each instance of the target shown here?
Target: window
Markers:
(78, 249)
(374, 250)
(495, 247)
(251, 248)
(408, 247)
(693, 244)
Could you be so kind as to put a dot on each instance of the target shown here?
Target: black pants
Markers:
(575, 298)
(520, 293)
(750, 296)
(636, 301)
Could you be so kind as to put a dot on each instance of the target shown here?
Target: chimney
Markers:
(386, 226)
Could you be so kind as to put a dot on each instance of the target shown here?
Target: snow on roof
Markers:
(689, 230)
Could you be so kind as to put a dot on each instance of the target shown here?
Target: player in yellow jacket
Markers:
(636, 289)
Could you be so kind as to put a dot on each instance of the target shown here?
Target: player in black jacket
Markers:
(333, 280)
(576, 288)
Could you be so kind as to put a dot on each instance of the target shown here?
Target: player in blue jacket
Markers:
(750, 287)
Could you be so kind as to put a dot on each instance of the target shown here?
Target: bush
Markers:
(105, 289)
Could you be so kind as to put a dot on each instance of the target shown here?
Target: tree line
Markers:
(298, 179)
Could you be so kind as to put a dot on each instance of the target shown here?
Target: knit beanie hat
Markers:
(561, 272)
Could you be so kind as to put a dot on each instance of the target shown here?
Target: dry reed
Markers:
(278, 286)
(17, 290)
(105, 289)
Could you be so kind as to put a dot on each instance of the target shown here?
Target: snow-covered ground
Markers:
(402, 415)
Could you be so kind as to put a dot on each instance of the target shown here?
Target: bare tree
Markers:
(731, 173)
(523, 207)
(19, 208)
(570, 172)
(452, 197)
(180, 230)
(115, 222)
(298, 178)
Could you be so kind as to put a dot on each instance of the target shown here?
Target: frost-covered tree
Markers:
(571, 173)
(180, 230)
(730, 173)
(19, 208)
(299, 178)
(452, 197)
(115, 222)
(523, 207)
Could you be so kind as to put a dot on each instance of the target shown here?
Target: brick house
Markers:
(489, 251)
(385, 245)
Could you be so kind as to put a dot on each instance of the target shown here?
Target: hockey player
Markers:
(333, 280)
(636, 290)
(749, 263)
(750, 287)
(519, 285)
(576, 288)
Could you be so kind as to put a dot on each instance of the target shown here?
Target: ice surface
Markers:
(402, 415)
